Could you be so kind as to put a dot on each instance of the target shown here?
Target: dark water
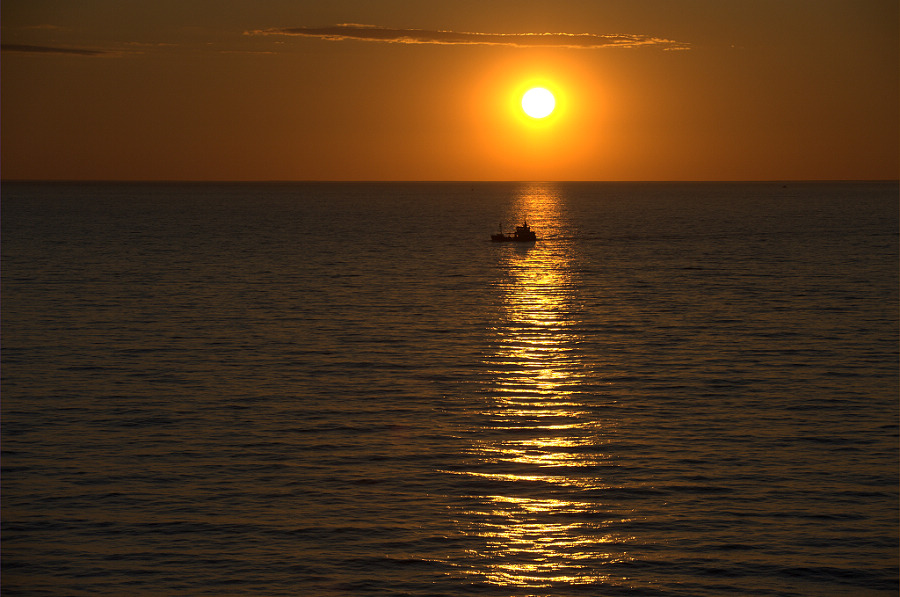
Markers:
(346, 389)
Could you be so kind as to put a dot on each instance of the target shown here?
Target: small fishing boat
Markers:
(523, 234)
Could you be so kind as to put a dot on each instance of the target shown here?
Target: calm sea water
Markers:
(346, 389)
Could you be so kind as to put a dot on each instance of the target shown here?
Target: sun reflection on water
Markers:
(541, 446)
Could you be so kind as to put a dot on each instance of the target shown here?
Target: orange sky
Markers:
(649, 90)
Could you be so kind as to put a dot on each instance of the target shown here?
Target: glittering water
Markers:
(342, 389)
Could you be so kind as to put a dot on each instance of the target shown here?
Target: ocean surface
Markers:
(346, 389)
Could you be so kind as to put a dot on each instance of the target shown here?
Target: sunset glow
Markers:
(437, 94)
(503, 298)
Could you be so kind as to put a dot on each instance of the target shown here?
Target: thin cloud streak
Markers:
(26, 48)
(351, 31)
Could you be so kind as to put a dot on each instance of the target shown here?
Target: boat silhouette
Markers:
(523, 234)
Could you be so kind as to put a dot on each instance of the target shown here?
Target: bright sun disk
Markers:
(538, 102)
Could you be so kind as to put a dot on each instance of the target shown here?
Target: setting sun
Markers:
(538, 102)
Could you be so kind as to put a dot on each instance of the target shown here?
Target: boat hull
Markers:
(502, 238)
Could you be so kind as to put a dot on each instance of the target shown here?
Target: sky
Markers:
(427, 90)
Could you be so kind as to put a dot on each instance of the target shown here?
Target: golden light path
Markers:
(540, 450)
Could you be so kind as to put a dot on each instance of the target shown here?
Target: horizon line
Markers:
(412, 180)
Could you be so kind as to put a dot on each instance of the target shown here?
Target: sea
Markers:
(329, 389)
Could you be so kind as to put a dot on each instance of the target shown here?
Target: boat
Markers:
(523, 234)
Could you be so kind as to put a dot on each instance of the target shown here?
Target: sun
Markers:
(538, 102)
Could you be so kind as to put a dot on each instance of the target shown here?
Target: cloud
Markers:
(45, 26)
(51, 50)
(351, 31)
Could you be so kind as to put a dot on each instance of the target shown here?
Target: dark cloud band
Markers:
(50, 50)
(423, 36)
